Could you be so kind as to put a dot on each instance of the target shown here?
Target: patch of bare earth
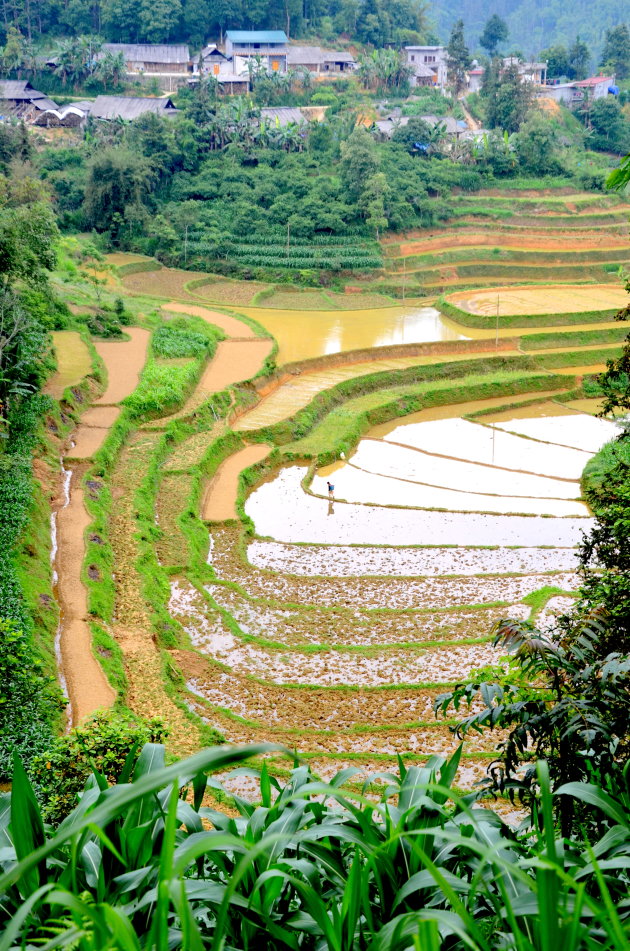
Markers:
(220, 499)
(124, 361)
(132, 626)
(88, 688)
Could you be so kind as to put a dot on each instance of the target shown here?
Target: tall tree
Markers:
(616, 52)
(458, 56)
(494, 32)
(509, 99)
(578, 60)
(359, 162)
(557, 60)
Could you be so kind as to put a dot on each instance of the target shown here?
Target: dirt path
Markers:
(73, 362)
(230, 325)
(88, 688)
(219, 503)
(124, 361)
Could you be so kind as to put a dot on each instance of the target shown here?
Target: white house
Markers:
(529, 72)
(434, 58)
(270, 46)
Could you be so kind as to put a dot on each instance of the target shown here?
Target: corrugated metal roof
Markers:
(419, 69)
(150, 52)
(128, 107)
(19, 89)
(283, 115)
(337, 56)
(45, 103)
(256, 36)
(304, 55)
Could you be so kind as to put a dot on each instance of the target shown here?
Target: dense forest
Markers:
(532, 25)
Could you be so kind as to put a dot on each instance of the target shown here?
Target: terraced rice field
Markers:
(336, 625)
(249, 602)
(560, 299)
(512, 239)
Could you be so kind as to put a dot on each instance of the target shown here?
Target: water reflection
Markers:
(302, 335)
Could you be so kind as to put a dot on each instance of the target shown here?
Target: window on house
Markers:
(412, 58)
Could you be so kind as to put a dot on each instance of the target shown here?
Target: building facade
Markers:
(270, 46)
(434, 58)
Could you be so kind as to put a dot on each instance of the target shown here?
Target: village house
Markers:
(317, 60)
(535, 73)
(576, 92)
(596, 87)
(19, 100)
(162, 59)
(129, 107)
(433, 58)
(209, 61)
(270, 46)
(475, 78)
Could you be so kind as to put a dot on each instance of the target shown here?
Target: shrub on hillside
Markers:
(108, 743)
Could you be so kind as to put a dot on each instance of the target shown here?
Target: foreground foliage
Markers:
(142, 865)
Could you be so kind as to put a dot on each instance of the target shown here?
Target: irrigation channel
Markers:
(331, 624)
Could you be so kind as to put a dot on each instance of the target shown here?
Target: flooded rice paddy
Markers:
(282, 510)
(524, 462)
(302, 335)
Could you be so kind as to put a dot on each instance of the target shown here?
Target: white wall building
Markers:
(434, 58)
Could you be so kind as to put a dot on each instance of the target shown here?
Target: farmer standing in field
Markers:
(331, 490)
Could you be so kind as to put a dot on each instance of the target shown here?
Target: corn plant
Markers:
(405, 864)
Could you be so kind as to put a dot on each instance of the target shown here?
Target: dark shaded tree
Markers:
(458, 57)
(616, 52)
(578, 60)
(494, 32)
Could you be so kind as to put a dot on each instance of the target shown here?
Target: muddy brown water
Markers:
(234, 360)
(73, 362)
(220, 500)
(124, 360)
(302, 335)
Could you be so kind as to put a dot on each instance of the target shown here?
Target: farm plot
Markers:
(548, 299)
(73, 362)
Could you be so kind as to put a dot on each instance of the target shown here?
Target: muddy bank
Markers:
(124, 361)
(230, 325)
(219, 502)
(88, 688)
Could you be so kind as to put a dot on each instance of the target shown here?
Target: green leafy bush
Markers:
(162, 388)
(177, 341)
(108, 742)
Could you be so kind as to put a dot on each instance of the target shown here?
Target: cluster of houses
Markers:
(246, 51)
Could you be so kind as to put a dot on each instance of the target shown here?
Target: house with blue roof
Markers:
(270, 46)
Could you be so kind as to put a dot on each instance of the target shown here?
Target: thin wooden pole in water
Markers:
(404, 277)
